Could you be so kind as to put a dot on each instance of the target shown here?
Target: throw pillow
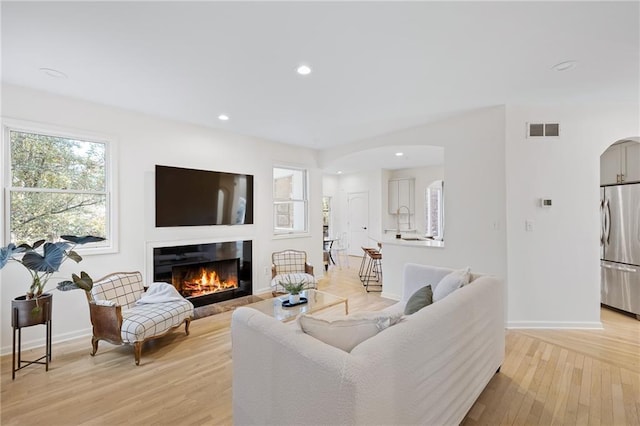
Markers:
(418, 300)
(348, 332)
(451, 282)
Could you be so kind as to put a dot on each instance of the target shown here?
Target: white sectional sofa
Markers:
(428, 369)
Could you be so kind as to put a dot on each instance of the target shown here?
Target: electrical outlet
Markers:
(528, 225)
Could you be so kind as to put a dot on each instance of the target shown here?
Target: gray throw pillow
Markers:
(418, 300)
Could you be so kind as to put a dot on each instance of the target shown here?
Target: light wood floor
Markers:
(548, 377)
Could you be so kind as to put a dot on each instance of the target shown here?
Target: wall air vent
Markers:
(536, 130)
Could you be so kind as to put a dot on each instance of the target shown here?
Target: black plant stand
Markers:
(19, 320)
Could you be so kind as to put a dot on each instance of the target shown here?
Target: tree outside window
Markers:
(57, 186)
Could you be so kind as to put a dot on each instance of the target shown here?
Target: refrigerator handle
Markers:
(601, 222)
(623, 268)
(607, 221)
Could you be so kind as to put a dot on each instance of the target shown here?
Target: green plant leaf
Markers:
(66, 286)
(82, 240)
(83, 281)
(74, 256)
(49, 262)
(7, 252)
(37, 244)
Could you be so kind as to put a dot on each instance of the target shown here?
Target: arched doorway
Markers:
(620, 226)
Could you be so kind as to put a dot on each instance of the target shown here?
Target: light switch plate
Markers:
(528, 225)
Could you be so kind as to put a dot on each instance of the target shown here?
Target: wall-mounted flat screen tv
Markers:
(190, 197)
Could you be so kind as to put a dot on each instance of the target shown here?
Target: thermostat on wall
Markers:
(545, 202)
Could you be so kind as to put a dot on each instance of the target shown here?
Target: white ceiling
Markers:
(377, 66)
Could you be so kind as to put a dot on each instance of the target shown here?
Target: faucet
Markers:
(398, 220)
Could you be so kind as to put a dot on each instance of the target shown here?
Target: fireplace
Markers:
(206, 273)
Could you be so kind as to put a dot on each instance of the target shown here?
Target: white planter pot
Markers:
(294, 298)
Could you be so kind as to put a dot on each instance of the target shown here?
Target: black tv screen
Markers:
(189, 197)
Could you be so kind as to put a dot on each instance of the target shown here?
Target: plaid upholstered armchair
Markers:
(122, 313)
(290, 265)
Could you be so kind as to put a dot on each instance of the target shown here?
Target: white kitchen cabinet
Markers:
(401, 195)
(620, 163)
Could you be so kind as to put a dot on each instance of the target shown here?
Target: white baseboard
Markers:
(258, 292)
(558, 325)
(40, 342)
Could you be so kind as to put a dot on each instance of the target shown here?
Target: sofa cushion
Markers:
(144, 321)
(418, 300)
(347, 332)
(299, 277)
(450, 282)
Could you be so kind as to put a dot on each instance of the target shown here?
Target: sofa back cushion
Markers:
(450, 283)
(418, 300)
(123, 288)
(347, 332)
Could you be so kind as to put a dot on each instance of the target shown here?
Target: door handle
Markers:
(364, 227)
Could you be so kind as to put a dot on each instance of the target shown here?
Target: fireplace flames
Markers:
(206, 282)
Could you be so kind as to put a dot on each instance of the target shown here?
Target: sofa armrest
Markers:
(292, 376)
(416, 276)
(308, 269)
(107, 322)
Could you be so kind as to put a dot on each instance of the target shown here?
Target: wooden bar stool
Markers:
(374, 271)
(371, 267)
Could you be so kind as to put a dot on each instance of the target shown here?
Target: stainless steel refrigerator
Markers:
(620, 247)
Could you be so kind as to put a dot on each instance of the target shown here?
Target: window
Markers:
(326, 216)
(289, 200)
(434, 209)
(57, 185)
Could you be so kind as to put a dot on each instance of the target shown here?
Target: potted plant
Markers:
(293, 288)
(42, 259)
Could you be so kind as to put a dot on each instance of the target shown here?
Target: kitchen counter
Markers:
(396, 252)
(413, 242)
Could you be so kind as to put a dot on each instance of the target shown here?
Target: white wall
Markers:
(475, 213)
(371, 183)
(494, 179)
(144, 141)
(554, 274)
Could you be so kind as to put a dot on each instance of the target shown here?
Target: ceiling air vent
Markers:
(535, 130)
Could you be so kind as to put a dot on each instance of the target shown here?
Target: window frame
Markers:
(437, 185)
(110, 245)
(286, 232)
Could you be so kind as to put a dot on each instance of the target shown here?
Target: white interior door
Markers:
(358, 216)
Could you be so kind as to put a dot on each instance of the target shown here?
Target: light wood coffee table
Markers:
(317, 300)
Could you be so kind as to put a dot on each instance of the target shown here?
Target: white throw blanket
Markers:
(159, 293)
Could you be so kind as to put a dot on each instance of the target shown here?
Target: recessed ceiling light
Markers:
(303, 70)
(564, 66)
(339, 172)
(399, 154)
(223, 117)
(53, 73)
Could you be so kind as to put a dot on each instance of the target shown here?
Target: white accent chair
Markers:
(339, 248)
